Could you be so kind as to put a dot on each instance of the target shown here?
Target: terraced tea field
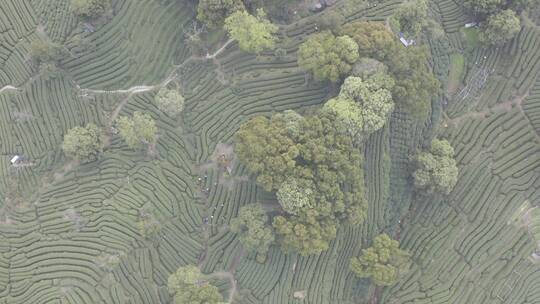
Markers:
(69, 232)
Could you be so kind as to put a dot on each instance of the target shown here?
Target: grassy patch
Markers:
(457, 69)
(471, 37)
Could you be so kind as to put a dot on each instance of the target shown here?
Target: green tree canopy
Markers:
(137, 130)
(500, 28)
(307, 234)
(327, 56)
(296, 194)
(90, 8)
(254, 232)
(411, 17)
(267, 150)
(46, 51)
(253, 34)
(187, 285)
(83, 143)
(314, 167)
(383, 262)
(169, 101)
(415, 84)
(364, 105)
(213, 12)
(436, 169)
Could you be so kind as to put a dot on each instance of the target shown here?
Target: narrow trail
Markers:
(230, 276)
(9, 87)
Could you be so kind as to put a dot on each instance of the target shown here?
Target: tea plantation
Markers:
(70, 231)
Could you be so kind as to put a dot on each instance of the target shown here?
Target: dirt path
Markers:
(230, 276)
(8, 87)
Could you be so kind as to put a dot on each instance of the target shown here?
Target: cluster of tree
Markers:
(169, 101)
(317, 172)
(415, 84)
(83, 143)
(363, 105)
(253, 33)
(138, 130)
(383, 262)
(499, 18)
(253, 230)
(188, 286)
(90, 8)
(328, 56)
(46, 55)
(214, 12)
(436, 169)
(411, 18)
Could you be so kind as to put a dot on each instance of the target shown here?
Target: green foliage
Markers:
(483, 7)
(314, 168)
(364, 106)
(373, 38)
(296, 194)
(306, 235)
(267, 150)
(415, 83)
(83, 143)
(213, 12)
(187, 286)
(137, 130)
(383, 262)
(500, 28)
(252, 228)
(327, 56)
(253, 34)
(436, 169)
(46, 51)
(280, 53)
(411, 17)
(169, 101)
(332, 21)
(90, 8)
(366, 67)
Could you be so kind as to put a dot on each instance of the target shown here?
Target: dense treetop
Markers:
(252, 228)
(169, 101)
(327, 56)
(90, 8)
(316, 171)
(436, 168)
(187, 285)
(500, 28)
(253, 33)
(83, 143)
(138, 130)
(213, 12)
(383, 262)
(415, 84)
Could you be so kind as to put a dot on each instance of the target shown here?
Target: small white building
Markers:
(471, 24)
(405, 41)
(15, 159)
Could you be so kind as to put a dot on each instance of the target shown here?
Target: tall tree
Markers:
(253, 33)
(137, 130)
(316, 171)
(188, 286)
(500, 28)
(90, 8)
(383, 262)
(253, 230)
(415, 83)
(436, 169)
(267, 150)
(83, 143)
(411, 17)
(364, 105)
(327, 56)
(169, 101)
(213, 12)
